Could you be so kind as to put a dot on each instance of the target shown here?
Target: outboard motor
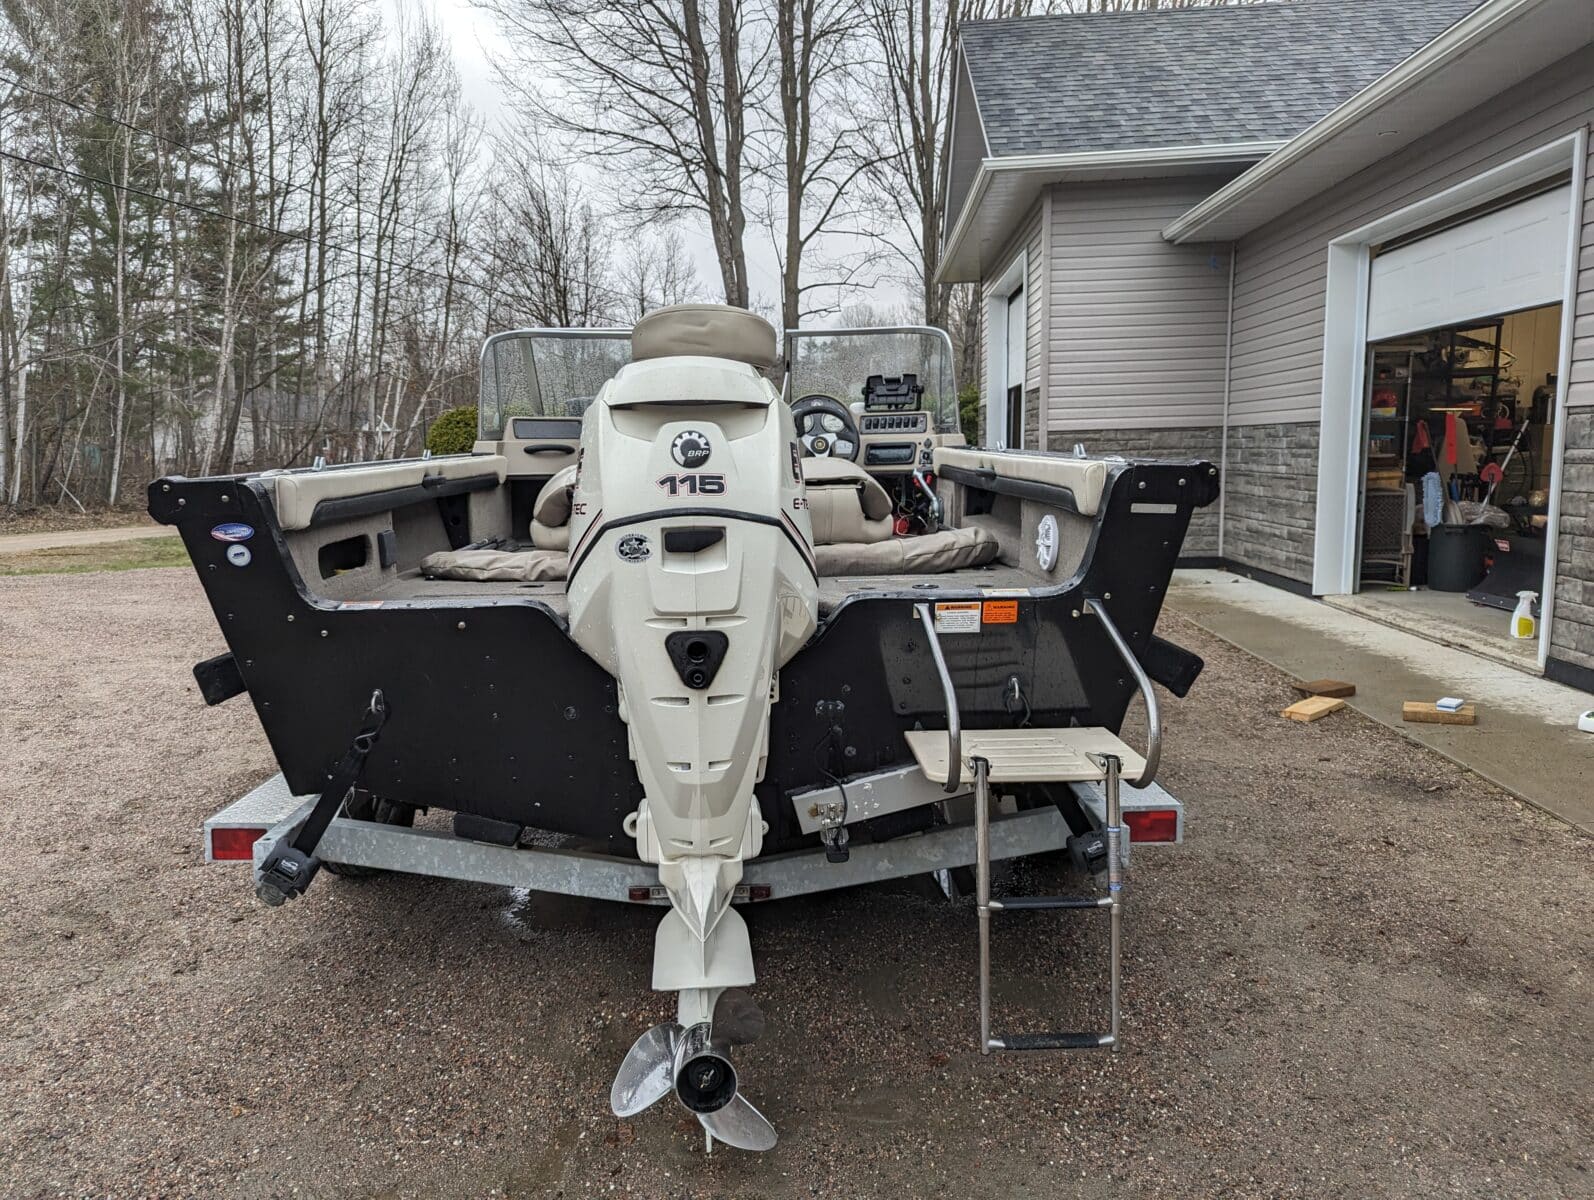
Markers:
(691, 581)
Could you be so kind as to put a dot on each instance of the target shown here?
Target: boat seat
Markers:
(846, 504)
(705, 330)
(496, 566)
(926, 554)
(550, 515)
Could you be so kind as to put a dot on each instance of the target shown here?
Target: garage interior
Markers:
(1462, 334)
(1455, 498)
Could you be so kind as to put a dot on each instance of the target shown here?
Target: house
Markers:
(1333, 246)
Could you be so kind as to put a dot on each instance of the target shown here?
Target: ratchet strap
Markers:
(288, 869)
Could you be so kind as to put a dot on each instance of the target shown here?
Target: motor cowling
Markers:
(691, 578)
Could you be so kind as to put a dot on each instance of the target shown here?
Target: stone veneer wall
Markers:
(1572, 623)
(1032, 419)
(1270, 505)
(1202, 539)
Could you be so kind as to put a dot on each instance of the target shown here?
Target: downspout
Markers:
(1228, 371)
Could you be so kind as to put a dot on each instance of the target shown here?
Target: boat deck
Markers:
(833, 591)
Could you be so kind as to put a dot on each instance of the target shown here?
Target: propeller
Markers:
(644, 1077)
(694, 1063)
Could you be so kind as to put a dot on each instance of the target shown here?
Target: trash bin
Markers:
(1455, 556)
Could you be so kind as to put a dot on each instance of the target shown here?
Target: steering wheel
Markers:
(817, 417)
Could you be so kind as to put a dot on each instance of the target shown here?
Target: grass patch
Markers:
(105, 556)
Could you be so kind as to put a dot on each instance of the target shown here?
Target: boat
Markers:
(683, 622)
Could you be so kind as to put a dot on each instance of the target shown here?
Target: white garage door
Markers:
(1501, 262)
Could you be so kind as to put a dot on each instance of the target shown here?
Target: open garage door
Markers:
(1501, 262)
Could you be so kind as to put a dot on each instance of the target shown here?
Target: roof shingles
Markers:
(1186, 77)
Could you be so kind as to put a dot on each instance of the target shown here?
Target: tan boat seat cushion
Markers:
(496, 566)
(708, 330)
(845, 503)
(550, 516)
(927, 554)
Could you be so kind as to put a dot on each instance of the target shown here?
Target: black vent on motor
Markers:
(696, 655)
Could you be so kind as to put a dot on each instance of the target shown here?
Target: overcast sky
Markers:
(477, 43)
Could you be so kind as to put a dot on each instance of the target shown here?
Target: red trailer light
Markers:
(234, 845)
(1152, 824)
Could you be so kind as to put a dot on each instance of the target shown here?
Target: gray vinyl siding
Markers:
(1035, 330)
(1282, 270)
(1580, 383)
(1138, 325)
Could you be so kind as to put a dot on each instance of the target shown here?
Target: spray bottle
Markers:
(1523, 622)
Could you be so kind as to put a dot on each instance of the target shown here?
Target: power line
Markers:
(245, 221)
(215, 160)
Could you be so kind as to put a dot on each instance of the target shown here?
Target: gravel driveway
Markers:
(1366, 973)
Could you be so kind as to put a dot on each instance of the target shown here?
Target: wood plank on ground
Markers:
(1422, 713)
(1326, 687)
(1313, 708)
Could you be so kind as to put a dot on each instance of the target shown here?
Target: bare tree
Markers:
(656, 92)
(826, 151)
(549, 249)
(656, 272)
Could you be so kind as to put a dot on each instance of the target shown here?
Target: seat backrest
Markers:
(705, 330)
(845, 502)
(553, 502)
(551, 513)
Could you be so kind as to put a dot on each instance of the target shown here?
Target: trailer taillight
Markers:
(233, 845)
(1152, 824)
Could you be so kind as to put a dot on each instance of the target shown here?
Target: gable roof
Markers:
(1074, 83)
(1502, 46)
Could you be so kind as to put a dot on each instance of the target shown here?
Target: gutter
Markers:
(1460, 39)
(1088, 162)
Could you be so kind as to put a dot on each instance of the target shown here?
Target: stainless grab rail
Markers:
(954, 721)
(1153, 713)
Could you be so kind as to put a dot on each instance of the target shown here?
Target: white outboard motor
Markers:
(691, 581)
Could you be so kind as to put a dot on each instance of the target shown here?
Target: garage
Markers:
(1463, 348)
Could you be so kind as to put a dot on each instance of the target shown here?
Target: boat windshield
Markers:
(837, 363)
(545, 373)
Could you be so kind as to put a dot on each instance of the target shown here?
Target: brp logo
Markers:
(690, 449)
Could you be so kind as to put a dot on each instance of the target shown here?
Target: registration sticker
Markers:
(1000, 612)
(957, 616)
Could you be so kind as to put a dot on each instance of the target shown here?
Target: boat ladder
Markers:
(1073, 755)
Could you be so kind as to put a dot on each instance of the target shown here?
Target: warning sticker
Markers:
(958, 616)
(1001, 612)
